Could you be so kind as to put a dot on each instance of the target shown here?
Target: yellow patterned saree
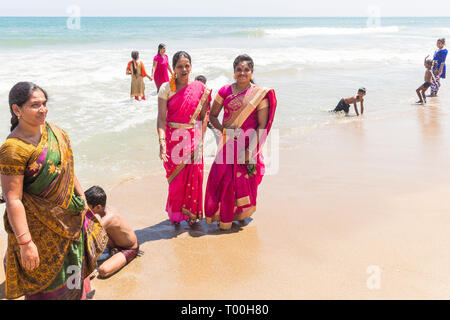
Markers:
(67, 237)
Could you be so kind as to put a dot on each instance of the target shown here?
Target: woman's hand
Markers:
(163, 152)
(29, 256)
(86, 206)
(150, 78)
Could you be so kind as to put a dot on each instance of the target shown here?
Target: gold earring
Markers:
(234, 76)
(18, 117)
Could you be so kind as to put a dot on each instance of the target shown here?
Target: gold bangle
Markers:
(17, 237)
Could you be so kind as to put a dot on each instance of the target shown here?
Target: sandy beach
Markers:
(355, 194)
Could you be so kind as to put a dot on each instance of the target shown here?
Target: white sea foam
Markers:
(316, 31)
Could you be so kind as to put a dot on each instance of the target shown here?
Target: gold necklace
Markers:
(235, 87)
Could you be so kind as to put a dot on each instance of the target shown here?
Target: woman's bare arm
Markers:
(79, 191)
(161, 128)
(12, 188)
(155, 63)
(215, 110)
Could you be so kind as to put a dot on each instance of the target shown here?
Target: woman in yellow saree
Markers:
(53, 240)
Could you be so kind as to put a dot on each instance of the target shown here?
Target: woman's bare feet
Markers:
(192, 222)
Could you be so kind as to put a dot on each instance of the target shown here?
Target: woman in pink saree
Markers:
(182, 108)
(161, 67)
(238, 169)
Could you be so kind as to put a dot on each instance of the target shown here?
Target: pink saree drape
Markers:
(184, 170)
(231, 192)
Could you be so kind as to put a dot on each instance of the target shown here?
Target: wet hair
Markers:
(135, 56)
(19, 94)
(362, 89)
(160, 46)
(201, 78)
(177, 57)
(244, 58)
(95, 196)
(442, 40)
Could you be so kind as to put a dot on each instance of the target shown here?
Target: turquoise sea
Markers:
(310, 62)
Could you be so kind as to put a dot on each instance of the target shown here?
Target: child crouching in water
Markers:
(122, 242)
(344, 103)
(429, 76)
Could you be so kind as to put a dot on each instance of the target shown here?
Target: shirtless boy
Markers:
(122, 239)
(428, 78)
(344, 103)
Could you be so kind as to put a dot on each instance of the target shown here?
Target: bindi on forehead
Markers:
(243, 64)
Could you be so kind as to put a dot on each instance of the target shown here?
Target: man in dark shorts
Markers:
(122, 245)
(344, 103)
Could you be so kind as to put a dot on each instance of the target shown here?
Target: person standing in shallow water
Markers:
(51, 233)
(136, 69)
(161, 67)
(439, 68)
(233, 181)
(182, 108)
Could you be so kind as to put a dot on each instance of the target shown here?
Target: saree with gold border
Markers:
(184, 139)
(68, 238)
(231, 191)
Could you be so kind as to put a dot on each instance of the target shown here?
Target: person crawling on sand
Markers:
(122, 245)
(429, 76)
(344, 103)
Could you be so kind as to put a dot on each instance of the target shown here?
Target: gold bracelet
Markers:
(17, 237)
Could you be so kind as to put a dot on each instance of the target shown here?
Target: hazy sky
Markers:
(278, 8)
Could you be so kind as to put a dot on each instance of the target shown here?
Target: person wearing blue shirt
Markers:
(439, 66)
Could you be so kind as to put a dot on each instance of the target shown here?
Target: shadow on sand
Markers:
(165, 230)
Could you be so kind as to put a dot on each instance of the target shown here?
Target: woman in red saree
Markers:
(238, 169)
(182, 106)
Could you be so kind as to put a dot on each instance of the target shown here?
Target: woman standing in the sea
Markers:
(52, 236)
(249, 111)
(439, 66)
(136, 69)
(182, 107)
(161, 67)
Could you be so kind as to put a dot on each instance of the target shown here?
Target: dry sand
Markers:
(360, 193)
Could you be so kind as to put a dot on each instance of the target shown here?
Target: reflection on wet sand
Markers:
(429, 119)
(228, 259)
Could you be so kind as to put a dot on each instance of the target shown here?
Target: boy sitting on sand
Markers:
(122, 239)
(428, 78)
(344, 103)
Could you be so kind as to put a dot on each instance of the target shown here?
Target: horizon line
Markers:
(94, 16)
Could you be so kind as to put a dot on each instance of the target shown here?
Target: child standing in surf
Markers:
(429, 76)
(344, 103)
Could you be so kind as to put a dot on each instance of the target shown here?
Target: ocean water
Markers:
(310, 62)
